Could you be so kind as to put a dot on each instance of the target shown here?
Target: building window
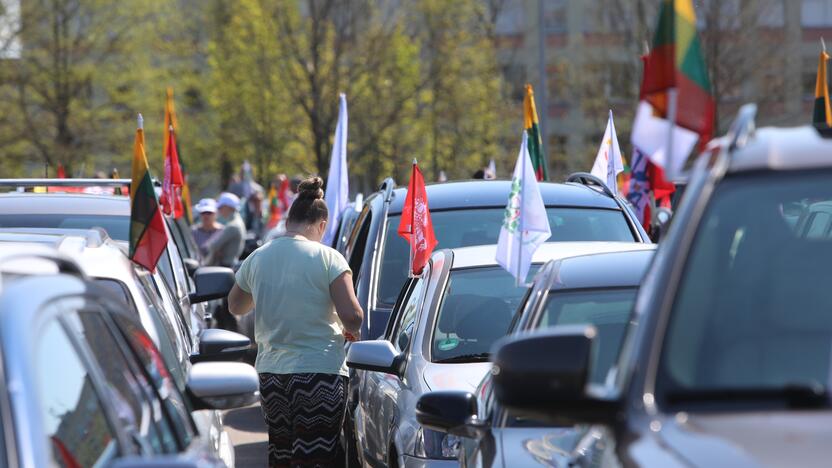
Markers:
(816, 13)
(555, 16)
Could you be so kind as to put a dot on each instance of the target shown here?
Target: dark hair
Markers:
(309, 207)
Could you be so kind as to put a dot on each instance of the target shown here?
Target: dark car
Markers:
(728, 361)
(83, 384)
(596, 289)
(466, 214)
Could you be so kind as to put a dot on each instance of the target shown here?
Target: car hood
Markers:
(785, 438)
(463, 376)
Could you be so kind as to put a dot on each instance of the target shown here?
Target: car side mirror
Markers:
(454, 412)
(222, 385)
(212, 283)
(216, 344)
(375, 355)
(545, 375)
(191, 266)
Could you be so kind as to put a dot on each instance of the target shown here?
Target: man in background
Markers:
(225, 248)
(208, 225)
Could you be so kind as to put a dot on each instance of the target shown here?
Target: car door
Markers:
(390, 388)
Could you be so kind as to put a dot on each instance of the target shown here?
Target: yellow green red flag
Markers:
(148, 237)
(821, 115)
(535, 143)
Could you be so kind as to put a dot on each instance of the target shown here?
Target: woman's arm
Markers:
(346, 304)
(239, 301)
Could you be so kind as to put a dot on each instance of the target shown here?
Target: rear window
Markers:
(464, 228)
(117, 227)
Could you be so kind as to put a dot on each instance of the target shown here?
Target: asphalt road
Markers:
(249, 436)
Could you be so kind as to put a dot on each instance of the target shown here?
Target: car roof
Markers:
(783, 149)
(494, 193)
(598, 270)
(73, 203)
(484, 255)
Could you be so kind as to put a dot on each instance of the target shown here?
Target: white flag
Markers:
(491, 170)
(651, 135)
(526, 225)
(337, 183)
(608, 163)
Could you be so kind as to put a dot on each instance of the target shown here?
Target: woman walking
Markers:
(306, 309)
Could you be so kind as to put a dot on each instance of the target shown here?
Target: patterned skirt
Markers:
(304, 413)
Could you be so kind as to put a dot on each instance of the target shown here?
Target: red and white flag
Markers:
(172, 184)
(415, 225)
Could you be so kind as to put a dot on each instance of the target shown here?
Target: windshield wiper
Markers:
(793, 396)
(478, 357)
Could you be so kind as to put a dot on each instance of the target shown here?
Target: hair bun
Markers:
(311, 188)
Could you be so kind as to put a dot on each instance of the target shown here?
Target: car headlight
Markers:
(436, 445)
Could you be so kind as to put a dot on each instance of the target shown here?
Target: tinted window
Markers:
(71, 411)
(403, 331)
(463, 228)
(176, 314)
(752, 311)
(171, 344)
(175, 407)
(476, 310)
(117, 227)
(608, 311)
(123, 388)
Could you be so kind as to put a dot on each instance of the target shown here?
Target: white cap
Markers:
(229, 200)
(206, 205)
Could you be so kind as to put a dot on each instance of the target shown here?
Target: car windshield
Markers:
(117, 227)
(465, 228)
(607, 309)
(476, 310)
(753, 310)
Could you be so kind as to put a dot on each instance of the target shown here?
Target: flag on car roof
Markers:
(170, 121)
(274, 207)
(608, 163)
(821, 115)
(61, 173)
(173, 181)
(415, 225)
(525, 224)
(337, 182)
(148, 238)
(532, 126)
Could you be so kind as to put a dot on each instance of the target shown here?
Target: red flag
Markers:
(415, 225)
(172, 184)
(61, 171)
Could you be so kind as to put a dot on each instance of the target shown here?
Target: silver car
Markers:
(149, 299)
(82, 382)
(439, 336)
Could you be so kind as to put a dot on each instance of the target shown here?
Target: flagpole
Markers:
(522, 203)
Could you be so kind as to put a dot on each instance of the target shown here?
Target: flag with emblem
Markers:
(525, 223)
(148, 237)
(821, 115)
(415, 225)
(532, 127)
(171, 124)
(172, 184)
(608, 162)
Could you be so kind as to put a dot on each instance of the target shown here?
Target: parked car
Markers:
(446, 322)
(85, 385)
(728, 361)
(151, 301)
(72, 210)
(466, 214)
(596, 289)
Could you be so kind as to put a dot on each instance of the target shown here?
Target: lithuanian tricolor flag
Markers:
(170, 121)
(676, 63)
(148, 237)
(822, 116)
(535, 143)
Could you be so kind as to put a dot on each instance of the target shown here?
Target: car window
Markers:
(117, 227)
(180, 274)
(174, 405)
(358, 243)
(464, 228)
(125, 390)
(171, 344)
(607, 310)
(476, 310)
(72, 413)
(752, 305)
(403, 331)
(177, 315)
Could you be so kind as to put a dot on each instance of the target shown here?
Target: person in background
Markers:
(306, 309)
(225, 248)
(252, 213)
(208, 225)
